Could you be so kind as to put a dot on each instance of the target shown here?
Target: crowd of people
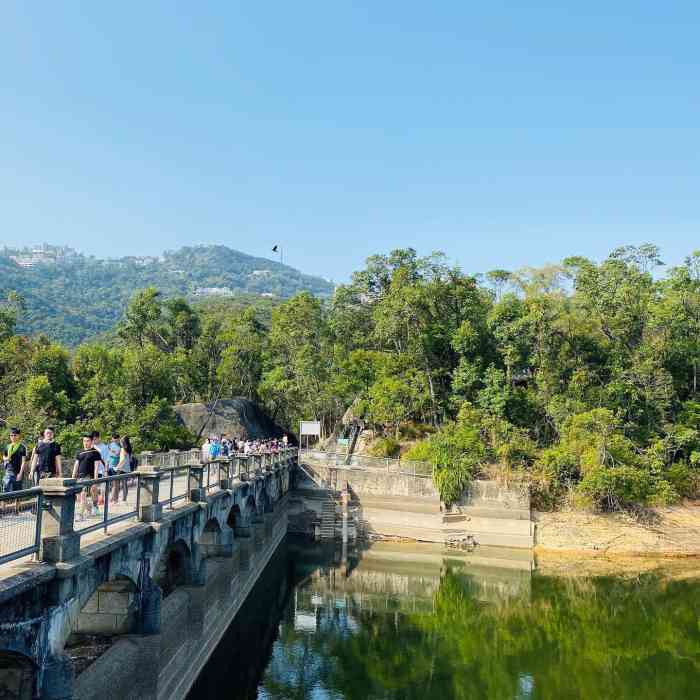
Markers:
(216, 446)
(99, 458)
(96, 459)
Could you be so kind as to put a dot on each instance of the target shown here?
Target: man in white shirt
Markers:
(103, 449)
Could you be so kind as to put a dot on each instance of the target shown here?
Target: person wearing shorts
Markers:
(88, 465)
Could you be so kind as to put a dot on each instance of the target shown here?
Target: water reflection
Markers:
(405, 623)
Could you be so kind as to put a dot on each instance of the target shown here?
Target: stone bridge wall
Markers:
(152, 580)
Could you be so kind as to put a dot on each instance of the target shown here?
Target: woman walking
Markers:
(124, 466)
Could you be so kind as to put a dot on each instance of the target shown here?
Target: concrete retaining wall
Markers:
(395, 505)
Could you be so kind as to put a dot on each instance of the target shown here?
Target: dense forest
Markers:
(72, 297)
(581, 379)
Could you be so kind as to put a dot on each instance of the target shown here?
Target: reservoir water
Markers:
(421, 622)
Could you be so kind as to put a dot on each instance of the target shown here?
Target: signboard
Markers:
(310, 427)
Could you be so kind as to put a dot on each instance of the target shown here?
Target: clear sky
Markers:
(503, 133)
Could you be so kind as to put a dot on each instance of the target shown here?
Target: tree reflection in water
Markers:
(560, 638)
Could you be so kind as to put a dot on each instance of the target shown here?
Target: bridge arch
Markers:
(234, 518)
(174, 567)
(17, 676)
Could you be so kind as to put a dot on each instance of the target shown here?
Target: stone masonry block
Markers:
(117, 603)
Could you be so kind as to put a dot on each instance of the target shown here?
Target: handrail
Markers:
(20, 531)
(91, 488)
(99, 504)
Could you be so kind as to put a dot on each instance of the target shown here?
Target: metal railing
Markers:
(176, 482)
(355, 461)
(20, 523)
(106, 501)
(99, 504)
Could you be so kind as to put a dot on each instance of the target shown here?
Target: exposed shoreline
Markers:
(669, 533)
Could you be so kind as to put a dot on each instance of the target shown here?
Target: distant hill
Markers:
(71, 297)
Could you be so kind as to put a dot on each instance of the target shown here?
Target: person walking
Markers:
(205, 450)
(214, 448)
(103, 449)
(15, 461)
(88, 465)
(125, 465)
(46, 460)
(114, 448)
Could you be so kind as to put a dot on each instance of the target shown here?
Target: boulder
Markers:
(240, 418)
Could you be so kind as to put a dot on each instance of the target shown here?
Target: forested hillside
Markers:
(580, 379)
(74, 297)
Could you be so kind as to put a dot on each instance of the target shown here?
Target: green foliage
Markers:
(456, 452)
(579, 378)
(77, 297)
(385, 447)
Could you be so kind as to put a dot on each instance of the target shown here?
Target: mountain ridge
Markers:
(71, 297)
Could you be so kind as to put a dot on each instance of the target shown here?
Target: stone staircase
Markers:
(328, 519)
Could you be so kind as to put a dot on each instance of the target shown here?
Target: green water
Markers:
(421, 623)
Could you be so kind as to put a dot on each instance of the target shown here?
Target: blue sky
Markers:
(503, 133)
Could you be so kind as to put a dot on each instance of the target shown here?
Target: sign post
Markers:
(310, 428)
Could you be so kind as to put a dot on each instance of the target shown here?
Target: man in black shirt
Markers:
(46, 460)
(15, 459)
(87, 466)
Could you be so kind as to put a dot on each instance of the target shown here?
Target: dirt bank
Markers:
(668, 532)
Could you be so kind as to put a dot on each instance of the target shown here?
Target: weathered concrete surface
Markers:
(119, 583)
(240, 418)
(395, 505)
(194, 618)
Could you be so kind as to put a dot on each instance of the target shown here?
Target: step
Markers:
(497, 525)
(424, 534)
(490, 512)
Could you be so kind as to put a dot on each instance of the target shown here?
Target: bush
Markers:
(385, 447)
(420, 452)
(684, 480)
(610, 489)
(457, 452)
(415, 431)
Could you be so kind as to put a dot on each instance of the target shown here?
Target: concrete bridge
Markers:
(165, 583)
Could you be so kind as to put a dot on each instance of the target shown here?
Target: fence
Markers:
(176, 482)
(20, 523)
(113, 499)
(105, 492)
(392, 466)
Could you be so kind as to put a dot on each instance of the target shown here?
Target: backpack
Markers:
(133, 463)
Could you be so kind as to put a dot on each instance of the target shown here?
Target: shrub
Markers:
(684, 480)
(385, 447)
(420, 452)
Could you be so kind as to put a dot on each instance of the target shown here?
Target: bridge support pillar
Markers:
(225, 474)
(150, 511)
(59, 542)
(245, 546)
(269, 520)
(57, 678)
(196, 484)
